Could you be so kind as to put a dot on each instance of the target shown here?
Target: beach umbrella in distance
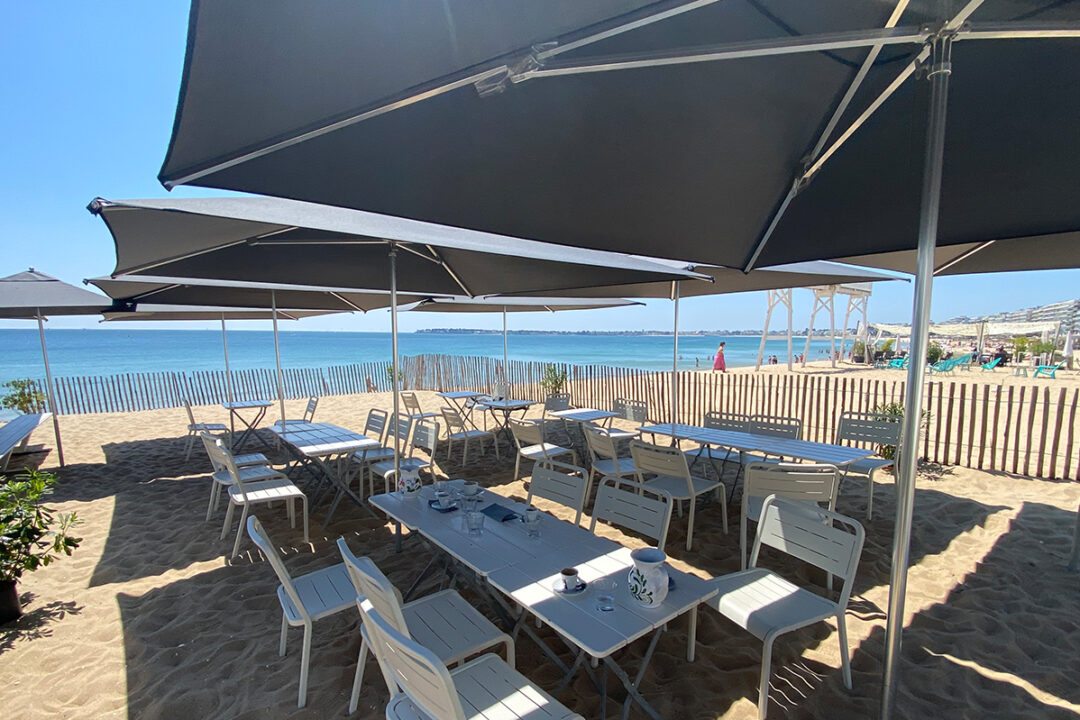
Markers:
(741, 134)
(174, 313)
(513, 305)
(133, 291)
(256, 239)
(729, 280)
(33, 295)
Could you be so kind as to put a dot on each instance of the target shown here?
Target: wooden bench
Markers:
(16, 433)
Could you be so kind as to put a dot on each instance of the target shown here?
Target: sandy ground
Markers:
(149, 620)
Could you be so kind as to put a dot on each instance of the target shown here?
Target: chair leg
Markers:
(305, 658)
(240, 531)
(284, 635)
(723, 509)
(358, 678)
(690, 525)
(190, 445)
(517, 467)
(304, 507)
(495, 442)
(228, 520)
(870, 494)
(214, 488)
(766, 668)
(509, 644)
(465, 453)
(742, 537)
(845, 659)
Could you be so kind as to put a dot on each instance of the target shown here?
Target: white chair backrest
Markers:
(262, 540)
(372, 585)
(376, 423)
(808, 482)
(412, 405)
(415, 669)
(556, 401)
(210, 443)
(525, 433)
(425, 436)
(220, 457)
(825, 539)
(398, 427)
(309, 412)
(190, 414)
(567, 485)
(643, 510)
(784, 427)
(727, 421)
(454, 422)
(669, 461)
(632, 410)
(872, 428)
(601, 446)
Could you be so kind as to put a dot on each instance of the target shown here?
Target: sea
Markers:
(109, 352)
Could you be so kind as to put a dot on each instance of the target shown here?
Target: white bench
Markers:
(15, 433)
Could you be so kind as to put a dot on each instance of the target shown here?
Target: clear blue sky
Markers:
(89, 93)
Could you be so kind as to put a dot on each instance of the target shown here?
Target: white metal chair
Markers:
(529, 439)
(563, 484)
(194, 428)
(422, 687)
(672, 475)
(252, 468)
(767, 605)
(375, 425)
(309, 414)
(644, 510)
(425, 435)
(873, 428)
(813, 483)
(396, 435)
(635, 411)
(457, 430)
(443, 622)
(604, 454)
(714, 420)
(782, 427)
(245, 494)
(413, 409)
(304, 599)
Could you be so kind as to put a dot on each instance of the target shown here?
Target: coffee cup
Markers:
(571, 581)
(470, 488)
(443, 499)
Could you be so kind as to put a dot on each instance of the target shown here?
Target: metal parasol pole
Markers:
(228, 373)
(49, 394)
(394, 363)
(506, 358)
(277, 360)
(675, 358)
(940, 69)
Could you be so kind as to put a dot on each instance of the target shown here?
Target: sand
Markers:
(149, 620)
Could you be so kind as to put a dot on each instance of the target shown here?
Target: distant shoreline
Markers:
(623, 333)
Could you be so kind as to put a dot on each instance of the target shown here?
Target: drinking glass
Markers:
(474, 522)
(532, 522)
(605, 593)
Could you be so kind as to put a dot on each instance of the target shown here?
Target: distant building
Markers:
(1067, 312)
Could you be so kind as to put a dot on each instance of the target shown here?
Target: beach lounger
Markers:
(304, 599)
(443, 622)
(16, 432)
(898, 363)
(566, 485)
(991, 365)
(1049, 371)
(671, 474)
(768, 605)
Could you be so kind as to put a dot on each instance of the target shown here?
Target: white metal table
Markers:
(839, 455)
(461, 400)
(507, 407)
(236, 414)
(585, 415)
(525, 569)
(327, 450)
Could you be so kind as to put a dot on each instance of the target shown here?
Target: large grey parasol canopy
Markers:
(33, 295)
(270, 240)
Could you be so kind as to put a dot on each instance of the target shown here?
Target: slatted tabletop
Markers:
(507, 404)
(18, 429)
(584, 414)
(459, 394)
(526, 569)
(247, 404)
(839, 455)
(323, 439)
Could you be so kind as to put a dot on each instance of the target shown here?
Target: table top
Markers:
(839, 455)
(584, 414)
(526, 569)
(320, 439)
(507, 404)
(244, 404)
(459, 394)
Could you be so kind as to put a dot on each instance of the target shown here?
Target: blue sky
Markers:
(90, 91)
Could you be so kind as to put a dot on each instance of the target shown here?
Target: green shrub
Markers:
(858, 349)
(896, 410)
(554, 380)
(30, 534)
(24, 397)
(933, 352)
(887, 346)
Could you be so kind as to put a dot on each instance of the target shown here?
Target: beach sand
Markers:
(149, 620)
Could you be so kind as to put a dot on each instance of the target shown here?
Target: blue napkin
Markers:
(499, 513)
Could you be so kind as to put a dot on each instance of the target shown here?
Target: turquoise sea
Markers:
(108, 352)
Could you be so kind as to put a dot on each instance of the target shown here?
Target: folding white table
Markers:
(327, 450)
(236, 410)
(525, 569)
(839, 455)
(460, 400)
(507, 407)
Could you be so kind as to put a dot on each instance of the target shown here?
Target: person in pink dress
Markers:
(719, 363)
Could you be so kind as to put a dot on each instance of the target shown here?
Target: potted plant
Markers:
(896, 412)
(553, 380)
(933, 353)
(23, 396)
(858, 352)
(31, 535)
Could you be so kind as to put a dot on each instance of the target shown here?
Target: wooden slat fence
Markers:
(1029, 430)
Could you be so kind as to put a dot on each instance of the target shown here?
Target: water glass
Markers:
(443, 499)
(474, 523)
(605, 593)
(441, 486)
(532, 522)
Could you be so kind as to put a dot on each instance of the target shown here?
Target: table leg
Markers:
(633, 695)
(397, 537)
(691, 639)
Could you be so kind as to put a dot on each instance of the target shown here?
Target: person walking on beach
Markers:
(718, 362)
